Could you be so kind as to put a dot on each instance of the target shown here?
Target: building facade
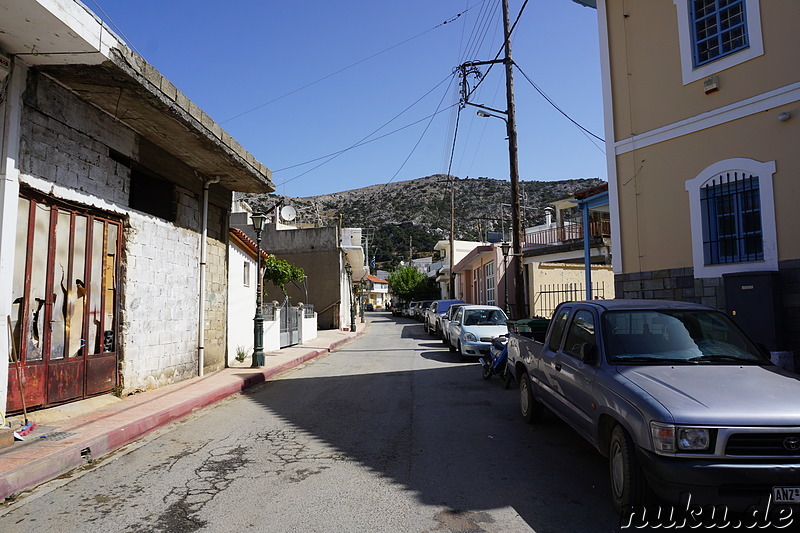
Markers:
(114, 199)
(701, 103)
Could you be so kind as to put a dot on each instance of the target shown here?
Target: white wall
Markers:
(241, 302)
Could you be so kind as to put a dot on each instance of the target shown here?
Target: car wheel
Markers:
(532, 411)
(450, 346)
(628, 484)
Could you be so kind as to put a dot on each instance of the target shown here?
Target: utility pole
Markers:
(452, 291)
(516, 232)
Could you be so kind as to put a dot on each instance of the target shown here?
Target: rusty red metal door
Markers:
(64, 320)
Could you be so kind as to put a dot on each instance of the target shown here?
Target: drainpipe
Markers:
(201, 327)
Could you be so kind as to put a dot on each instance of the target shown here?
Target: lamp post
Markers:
(258, 330)
(504, 247)
(349, 270)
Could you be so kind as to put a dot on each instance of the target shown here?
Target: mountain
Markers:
(413, 215)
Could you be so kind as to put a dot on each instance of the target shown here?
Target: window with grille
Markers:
(719, 28)
(731, 206)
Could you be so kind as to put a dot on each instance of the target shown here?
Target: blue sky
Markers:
(296, 82)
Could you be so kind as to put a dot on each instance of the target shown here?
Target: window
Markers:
(559, 323)
(246, 274)
(152, 195)
(580, 332)
(715, 35)
(732, 208)
(476, 276)
(732, 216)
(490, 286)
(719, 28)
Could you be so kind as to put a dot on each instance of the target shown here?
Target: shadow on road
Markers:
(459, 444)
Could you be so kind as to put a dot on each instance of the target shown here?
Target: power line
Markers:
(364, 139)
(256, 108)
(552, 103)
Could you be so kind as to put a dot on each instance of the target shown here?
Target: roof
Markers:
(376, 279)
(66, 41)
(240, 239)
(647, 305)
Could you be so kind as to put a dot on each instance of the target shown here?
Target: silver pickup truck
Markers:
(674, 394)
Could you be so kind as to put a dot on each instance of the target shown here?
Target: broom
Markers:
(14, 359)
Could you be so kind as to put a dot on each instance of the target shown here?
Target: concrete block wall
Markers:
(159, 304)
(216, 314)
(68, 143)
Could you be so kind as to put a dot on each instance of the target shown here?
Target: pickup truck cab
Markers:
(674, 394)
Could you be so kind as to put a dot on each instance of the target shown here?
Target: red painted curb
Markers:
(62, 460)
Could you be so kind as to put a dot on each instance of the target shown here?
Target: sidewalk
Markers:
(67, 437)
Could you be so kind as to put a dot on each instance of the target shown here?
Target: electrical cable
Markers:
(256, 108)
(362, 141)
(424, 132)
(552, 103)
(117, 28)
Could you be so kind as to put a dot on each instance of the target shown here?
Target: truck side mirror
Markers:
(589, 353)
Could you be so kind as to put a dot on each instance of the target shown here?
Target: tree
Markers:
(405, 282)
(280, 272)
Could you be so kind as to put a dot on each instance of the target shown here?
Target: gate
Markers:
(290, 325)
(64, 304)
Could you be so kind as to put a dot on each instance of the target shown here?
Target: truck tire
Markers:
(628, 485)
(532, 411)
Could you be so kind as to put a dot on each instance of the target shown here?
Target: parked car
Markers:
(369, 307)
(408, 310)
(434, 314)
(419, 311)
(673, 393)
(397, 308)
(446, 319)
(473, 327)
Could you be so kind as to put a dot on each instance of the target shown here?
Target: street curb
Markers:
(63, 460)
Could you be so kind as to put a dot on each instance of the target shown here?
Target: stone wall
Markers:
(680, 284)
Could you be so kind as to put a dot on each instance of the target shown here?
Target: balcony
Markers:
(566, 237)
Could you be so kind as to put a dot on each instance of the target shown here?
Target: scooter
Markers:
(495, 365)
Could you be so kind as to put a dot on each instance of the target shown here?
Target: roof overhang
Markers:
(66, 41)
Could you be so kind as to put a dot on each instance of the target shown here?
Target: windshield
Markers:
(688, 337)
(484, 317)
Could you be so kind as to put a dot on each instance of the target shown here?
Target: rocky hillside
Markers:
(410, 216)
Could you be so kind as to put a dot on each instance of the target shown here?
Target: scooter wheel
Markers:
(487, 372)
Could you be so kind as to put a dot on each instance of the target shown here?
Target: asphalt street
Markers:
(391, 433)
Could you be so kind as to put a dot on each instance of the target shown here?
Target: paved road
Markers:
(391, 433)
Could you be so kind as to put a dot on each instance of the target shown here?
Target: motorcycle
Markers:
(495, 365)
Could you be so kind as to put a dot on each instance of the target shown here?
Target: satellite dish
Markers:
(288, 212)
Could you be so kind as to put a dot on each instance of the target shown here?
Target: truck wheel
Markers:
(532, 410)
(628, 484)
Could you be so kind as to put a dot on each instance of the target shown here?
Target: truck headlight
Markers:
(669, 439)
(470, 337)
(693, 439)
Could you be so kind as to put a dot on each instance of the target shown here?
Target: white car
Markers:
(473, 327)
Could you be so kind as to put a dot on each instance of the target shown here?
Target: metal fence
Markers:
(549, 296)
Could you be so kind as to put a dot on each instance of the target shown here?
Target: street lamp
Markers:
(349, 270)
(504, 247)
(258, 330)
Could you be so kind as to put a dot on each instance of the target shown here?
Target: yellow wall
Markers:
(645, 64)
(648, 93)
(654, 205)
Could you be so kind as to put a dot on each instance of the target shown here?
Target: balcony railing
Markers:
(567, 234)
